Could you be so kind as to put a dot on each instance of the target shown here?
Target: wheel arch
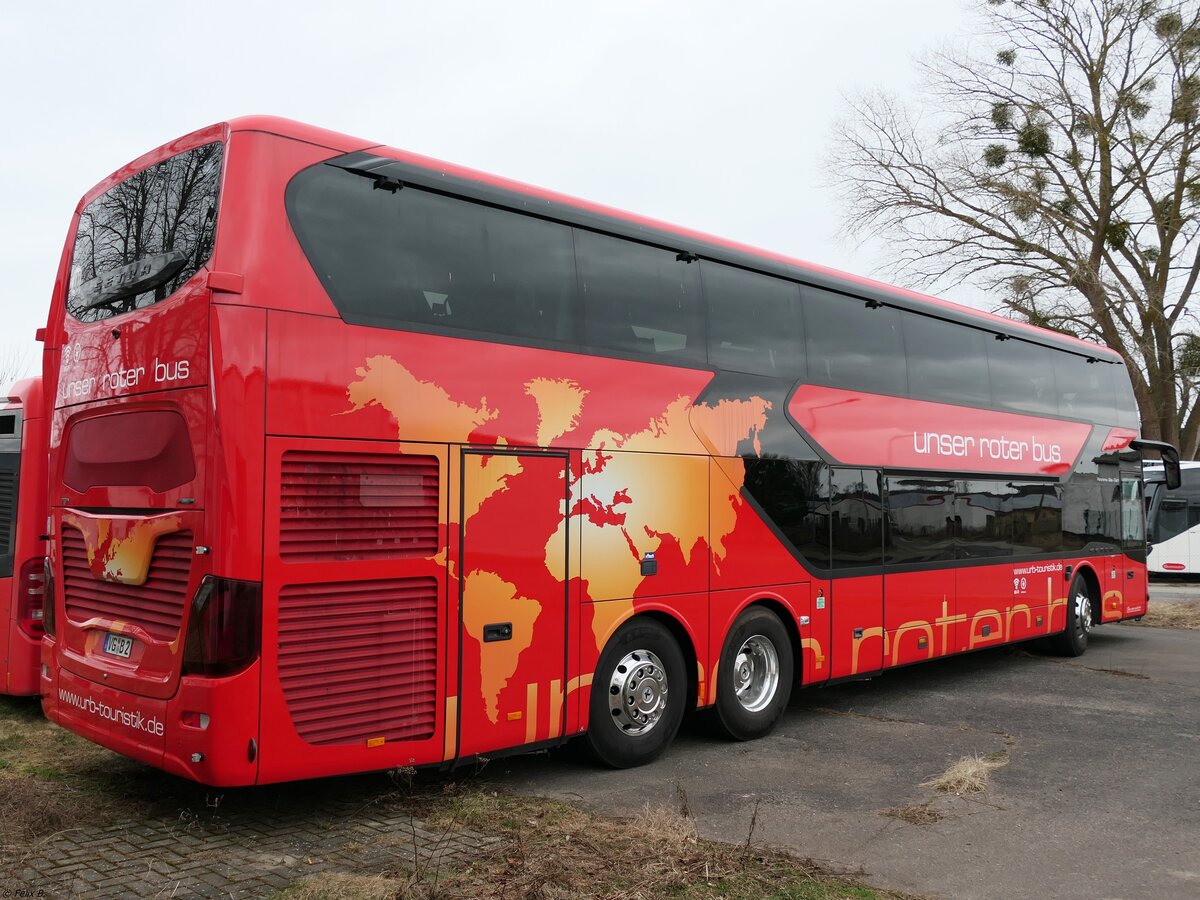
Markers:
(788, 620)
(687, 647)
(1092, 580)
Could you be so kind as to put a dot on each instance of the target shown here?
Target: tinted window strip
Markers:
(696, 354)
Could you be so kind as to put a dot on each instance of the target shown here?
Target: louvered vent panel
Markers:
(157, 605)
(358, 660)
(8, 510)
(358, 506)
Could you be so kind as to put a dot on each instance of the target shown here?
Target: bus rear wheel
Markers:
(639, 692)
(1081, 610)
(754, 676)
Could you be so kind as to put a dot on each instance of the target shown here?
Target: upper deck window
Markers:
(638, 299)
(754, 321)
(140, 240)
(425, 259)
(854, 346)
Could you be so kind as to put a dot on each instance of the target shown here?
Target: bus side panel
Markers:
(254, 238)
(857, 638)
(236, 440)
(576, 716)
(354, 606)
(917, 607)
(1004, 602)
(1136, 588)
(747, 553)
(380, 384)
(514, 599)
(1175, 555)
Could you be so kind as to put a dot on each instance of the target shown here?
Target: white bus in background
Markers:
(1173, 521)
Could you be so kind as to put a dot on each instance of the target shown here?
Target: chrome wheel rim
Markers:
(637, 692)
(1083, 612)
(756, 673)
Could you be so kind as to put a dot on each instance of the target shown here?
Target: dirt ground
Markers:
(1089, 768)
(1006, 773)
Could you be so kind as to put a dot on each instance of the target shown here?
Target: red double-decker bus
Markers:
(360, 459)
(23, 509)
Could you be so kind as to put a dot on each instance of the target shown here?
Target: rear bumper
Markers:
(222, 752)
(127, 724)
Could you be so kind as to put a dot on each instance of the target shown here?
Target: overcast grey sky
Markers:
(713, 115)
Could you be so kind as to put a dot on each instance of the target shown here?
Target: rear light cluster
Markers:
(223, 632)
(31, 598)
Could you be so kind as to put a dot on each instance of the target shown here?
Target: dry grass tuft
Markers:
(554, 851)
(1161, 614)
(34, 809)
(52, 781)
(333, 886)
(915, 813)
(969, 775)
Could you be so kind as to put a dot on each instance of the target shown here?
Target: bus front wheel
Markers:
(1081, 611)
(639, 692)
(754, 676)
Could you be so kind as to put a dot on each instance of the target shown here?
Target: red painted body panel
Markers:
(396, 492)
(285, 754)
(514, 580)
(20, 651)
(915, 607)
(865, 429)
(857, 636)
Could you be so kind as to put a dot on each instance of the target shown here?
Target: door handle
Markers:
(501, 631)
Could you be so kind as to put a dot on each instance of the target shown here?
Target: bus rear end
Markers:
(149, 631)
(22, 524)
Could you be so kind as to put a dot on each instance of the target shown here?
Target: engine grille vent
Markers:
(358, 660)
(358, 506)
(156, 605)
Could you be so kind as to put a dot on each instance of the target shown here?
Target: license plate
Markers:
(118, 645)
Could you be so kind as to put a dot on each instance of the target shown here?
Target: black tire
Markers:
(1081, 616)
(639, 692)
(753, 691)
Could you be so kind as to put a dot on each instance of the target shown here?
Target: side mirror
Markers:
(1170, 459)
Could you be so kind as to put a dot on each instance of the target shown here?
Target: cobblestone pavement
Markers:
(266, 843)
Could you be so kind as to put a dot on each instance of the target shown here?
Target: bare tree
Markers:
(1056, 165)
(14, 364)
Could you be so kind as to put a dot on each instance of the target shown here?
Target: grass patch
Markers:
(343, 887)
(970, 775)
(32, 745)
(1165, 614)
(36, 798)
(548, 849)
(53, 781)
